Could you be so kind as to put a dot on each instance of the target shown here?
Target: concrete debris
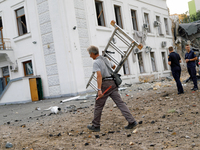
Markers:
(135, 131)
(128, 85)
(70, 99)
(70, 108)
(37, 108)
(9, 145)
(122, 88)
(169, 78)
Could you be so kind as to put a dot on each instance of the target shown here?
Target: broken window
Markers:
(146, 19)
(164, 61)
(159, 26)
(126, 67)
(118, 16)
(166, 26)
(21, 21)
(153, 62)
(100, 13)
(140, 62)
(1, 35)
(28, 68)
(134, 20)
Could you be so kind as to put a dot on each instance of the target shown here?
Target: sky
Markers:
(178, 6)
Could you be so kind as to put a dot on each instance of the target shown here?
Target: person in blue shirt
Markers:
(174, 61)
(190, 58)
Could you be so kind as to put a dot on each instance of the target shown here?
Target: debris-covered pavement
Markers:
(165, 121)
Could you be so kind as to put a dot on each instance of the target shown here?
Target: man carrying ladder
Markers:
(104, 81)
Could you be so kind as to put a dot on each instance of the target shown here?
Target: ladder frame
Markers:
(129, 41)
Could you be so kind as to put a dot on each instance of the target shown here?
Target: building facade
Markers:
(48, 40)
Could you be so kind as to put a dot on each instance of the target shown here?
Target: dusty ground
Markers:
(168, 121)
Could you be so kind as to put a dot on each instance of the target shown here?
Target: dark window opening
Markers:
(28, 68)
(134, 20)
(100, 13)
(118, 16)
(1, 23)
(164, 61)
(153, 62)
(126, 67)
(140, 62)
(159, 26)
(21, 21)
(146, 18)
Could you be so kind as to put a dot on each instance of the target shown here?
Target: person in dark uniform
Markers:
(190, 59)
(174, 61)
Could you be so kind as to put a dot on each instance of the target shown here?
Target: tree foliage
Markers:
(186, 18)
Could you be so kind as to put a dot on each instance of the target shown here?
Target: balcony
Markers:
(6, 50)
(5, 44)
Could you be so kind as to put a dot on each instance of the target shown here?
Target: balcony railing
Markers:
(5, 44)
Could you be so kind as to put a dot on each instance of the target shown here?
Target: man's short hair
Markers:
(171, 48)
(187, 44)
(93, 49)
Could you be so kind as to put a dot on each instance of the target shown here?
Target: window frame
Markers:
(154, 61)
(24, 63)
(101, 2)
(136, 22)
(148, 21)
(139, 63)
(17, 20)
(160, 25)
(165, 60)
(124, 67)
(167, 32)
(120, 15)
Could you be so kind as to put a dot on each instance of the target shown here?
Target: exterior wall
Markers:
(18, 95)
(192, 7)
(59, 32)
(100, 35)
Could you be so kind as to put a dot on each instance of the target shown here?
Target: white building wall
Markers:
(63, 29)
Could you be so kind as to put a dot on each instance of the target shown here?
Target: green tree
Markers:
(195, 17)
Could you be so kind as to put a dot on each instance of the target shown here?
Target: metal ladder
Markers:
(127, 40)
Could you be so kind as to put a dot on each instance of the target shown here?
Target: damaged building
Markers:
(43, 44)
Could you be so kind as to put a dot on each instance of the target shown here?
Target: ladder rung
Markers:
(111, 38)
(116, 48)
(122, 39)
(93, 86)
(94, 78)
(90, 80)
(112, 58)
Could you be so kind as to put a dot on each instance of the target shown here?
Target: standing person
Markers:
(174, 61)
(104, 80)
(190, 59)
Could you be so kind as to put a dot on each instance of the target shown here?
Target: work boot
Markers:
(131, 125)
(93, 128)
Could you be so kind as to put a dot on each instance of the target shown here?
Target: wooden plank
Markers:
(33, 89)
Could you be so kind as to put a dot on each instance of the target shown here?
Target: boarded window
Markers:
(140, 62)
(153, 62)
(146, 19)
(166, 26)
(21, 21)
(118, 16)
(134, 20)
(100, 13)
(28, 68)
(164, 61)
(159, 26)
